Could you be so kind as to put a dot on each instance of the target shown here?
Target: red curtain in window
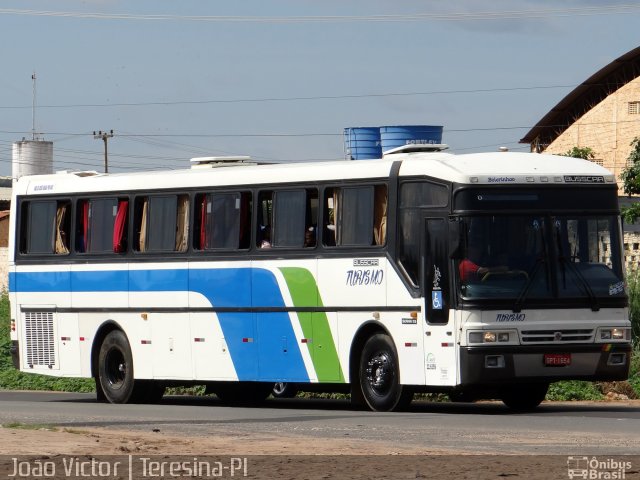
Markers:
(85, 226)
(119, 226)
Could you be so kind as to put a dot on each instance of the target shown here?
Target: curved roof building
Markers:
(602, 113)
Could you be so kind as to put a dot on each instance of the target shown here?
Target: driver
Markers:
(470, 270)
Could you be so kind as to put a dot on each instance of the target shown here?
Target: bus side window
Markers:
(101, 225)
(161, 223)
(221, 221)
(416, 200)
(287, 218)
(349, 216)
(289, 212)
(102, 214)
(45, 226)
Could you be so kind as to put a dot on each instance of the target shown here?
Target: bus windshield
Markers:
(541, 258)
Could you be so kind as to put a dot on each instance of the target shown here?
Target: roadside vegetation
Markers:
(11, 379)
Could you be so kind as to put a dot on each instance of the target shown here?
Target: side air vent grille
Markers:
(40, 340)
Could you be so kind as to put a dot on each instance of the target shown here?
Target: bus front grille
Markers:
(557, 336)
(39, 336)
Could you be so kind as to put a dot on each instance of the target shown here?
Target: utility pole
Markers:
(104, 136)
(33, 108)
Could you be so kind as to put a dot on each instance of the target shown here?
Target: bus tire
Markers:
(115, 369)
(524, 398)
(379, 376)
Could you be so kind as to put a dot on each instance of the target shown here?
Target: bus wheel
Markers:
(379, 376)
(284, 390)
(523, 398)
(115, 368)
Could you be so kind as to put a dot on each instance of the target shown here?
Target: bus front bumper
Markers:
(545, 363)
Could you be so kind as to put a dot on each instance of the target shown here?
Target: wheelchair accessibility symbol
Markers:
(436, 300)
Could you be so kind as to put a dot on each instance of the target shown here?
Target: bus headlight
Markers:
(492, 336)
(614, 334)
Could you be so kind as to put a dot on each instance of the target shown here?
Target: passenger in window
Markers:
(265, 233)
(310, 236)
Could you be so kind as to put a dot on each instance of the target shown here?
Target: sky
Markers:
(279, 80)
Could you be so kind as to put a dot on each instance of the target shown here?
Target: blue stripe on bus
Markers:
(263, 346)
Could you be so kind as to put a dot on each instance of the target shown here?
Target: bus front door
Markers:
(440, 346)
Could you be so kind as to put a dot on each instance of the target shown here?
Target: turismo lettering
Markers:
(510, 317)
(364, 277)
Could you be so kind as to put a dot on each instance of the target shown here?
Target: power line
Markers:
(391, 18)
(311, 134)
(292, 99)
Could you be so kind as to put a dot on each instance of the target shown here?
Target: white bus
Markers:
(482, 276)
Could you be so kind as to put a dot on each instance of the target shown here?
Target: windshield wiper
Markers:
(576, 271)
(519, 303)
(581, 282)
(540, 260)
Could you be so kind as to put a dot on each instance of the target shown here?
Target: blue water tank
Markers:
(362, 143)
(400, 135)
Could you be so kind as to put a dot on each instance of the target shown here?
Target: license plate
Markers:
(557, 359)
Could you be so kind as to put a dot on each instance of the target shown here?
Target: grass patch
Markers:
(574, 390)
(193, 391)
(29, 426)
(634, 374)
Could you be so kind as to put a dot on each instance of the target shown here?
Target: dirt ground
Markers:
(266, 456)
(96, 441)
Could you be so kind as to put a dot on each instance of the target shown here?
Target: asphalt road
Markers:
(487, 428)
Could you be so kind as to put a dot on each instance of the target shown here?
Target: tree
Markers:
(585, 153)
(630, 177)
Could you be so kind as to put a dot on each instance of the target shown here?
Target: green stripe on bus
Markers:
(315, 326)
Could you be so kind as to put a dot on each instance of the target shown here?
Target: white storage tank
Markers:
(31, 157)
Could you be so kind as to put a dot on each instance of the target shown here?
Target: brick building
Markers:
(602, 113)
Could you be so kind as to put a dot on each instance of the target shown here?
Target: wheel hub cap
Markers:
(379, 371)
